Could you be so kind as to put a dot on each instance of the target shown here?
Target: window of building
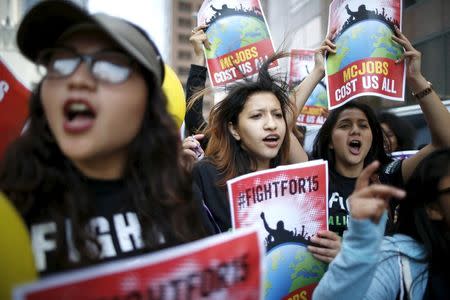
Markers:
(185, 22)
(436, 64)
(182, 71)
(184, 54)
(183, 38)
(184, 6)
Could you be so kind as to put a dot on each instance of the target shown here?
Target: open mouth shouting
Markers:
(79, 116)
(355, 147)
(272, 140)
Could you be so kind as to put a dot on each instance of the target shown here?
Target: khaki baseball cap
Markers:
(45, 22)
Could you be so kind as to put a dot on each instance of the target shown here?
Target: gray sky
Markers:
(149, 14)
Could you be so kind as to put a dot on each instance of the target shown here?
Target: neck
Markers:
(102, 168)
(347, 170)
(262, 165)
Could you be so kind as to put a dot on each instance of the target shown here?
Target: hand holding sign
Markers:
(411, 55)
(328, 245)
(199, 39)
(319, 53)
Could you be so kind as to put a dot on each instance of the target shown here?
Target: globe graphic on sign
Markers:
(371, 38)
(290, 266)
(318, 97)
(233, 32)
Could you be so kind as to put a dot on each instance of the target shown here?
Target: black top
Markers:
(115, 226)
(215, 198)
(340, 188)
(194, 120)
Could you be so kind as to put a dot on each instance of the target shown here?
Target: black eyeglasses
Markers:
(106, 66)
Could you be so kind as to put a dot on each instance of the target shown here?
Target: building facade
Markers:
(183, 20)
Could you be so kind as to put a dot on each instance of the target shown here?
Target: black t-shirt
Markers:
(340, 188)
(115, 227)
(214, 197)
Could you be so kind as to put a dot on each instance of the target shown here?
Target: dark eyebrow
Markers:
(350, 120)
(344, 120)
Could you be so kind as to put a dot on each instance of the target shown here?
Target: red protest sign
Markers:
(226, 266)
(364, 63)
(316, 107)
(239, 39)
(289, 205)
(13, 106)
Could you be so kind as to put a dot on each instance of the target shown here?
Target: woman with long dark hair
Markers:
(351, 138)
(413, 263)
(247, 131)
(98, 174)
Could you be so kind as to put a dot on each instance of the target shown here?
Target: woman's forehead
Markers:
(260, 100)
(352, 114)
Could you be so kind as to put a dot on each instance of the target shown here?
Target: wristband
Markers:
(423, 92)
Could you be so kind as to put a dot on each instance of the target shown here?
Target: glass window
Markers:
(184, 55)
(182, 71)
(183, 38)
(185, 22)
(184, 6)
(436, 63)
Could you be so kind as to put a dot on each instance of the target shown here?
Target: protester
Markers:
(195, 90)
(351, 138)
(411, 264)
(247, 132)
(97, 176)
(223, 162)
(399, 133)
(194, 120)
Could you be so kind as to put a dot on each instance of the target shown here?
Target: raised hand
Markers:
(192, 148)
(412, 58)
(199, 39)
(370, 201)
(319, 53)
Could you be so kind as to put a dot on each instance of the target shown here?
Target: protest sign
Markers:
(316, 107)
(239, 37)
(226, 266)
(365, 60)
(289, 205)
(14, 97)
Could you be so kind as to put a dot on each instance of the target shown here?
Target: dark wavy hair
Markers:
(403, 130)
(35, 174)
(223, 150)
(321, 149)
(422, 191)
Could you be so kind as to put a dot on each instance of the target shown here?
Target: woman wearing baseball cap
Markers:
(95, 176)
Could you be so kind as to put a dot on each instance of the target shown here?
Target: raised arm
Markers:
(266, 226)
(306, 87)
(434, 111)
(301, 94)
(196, 81)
